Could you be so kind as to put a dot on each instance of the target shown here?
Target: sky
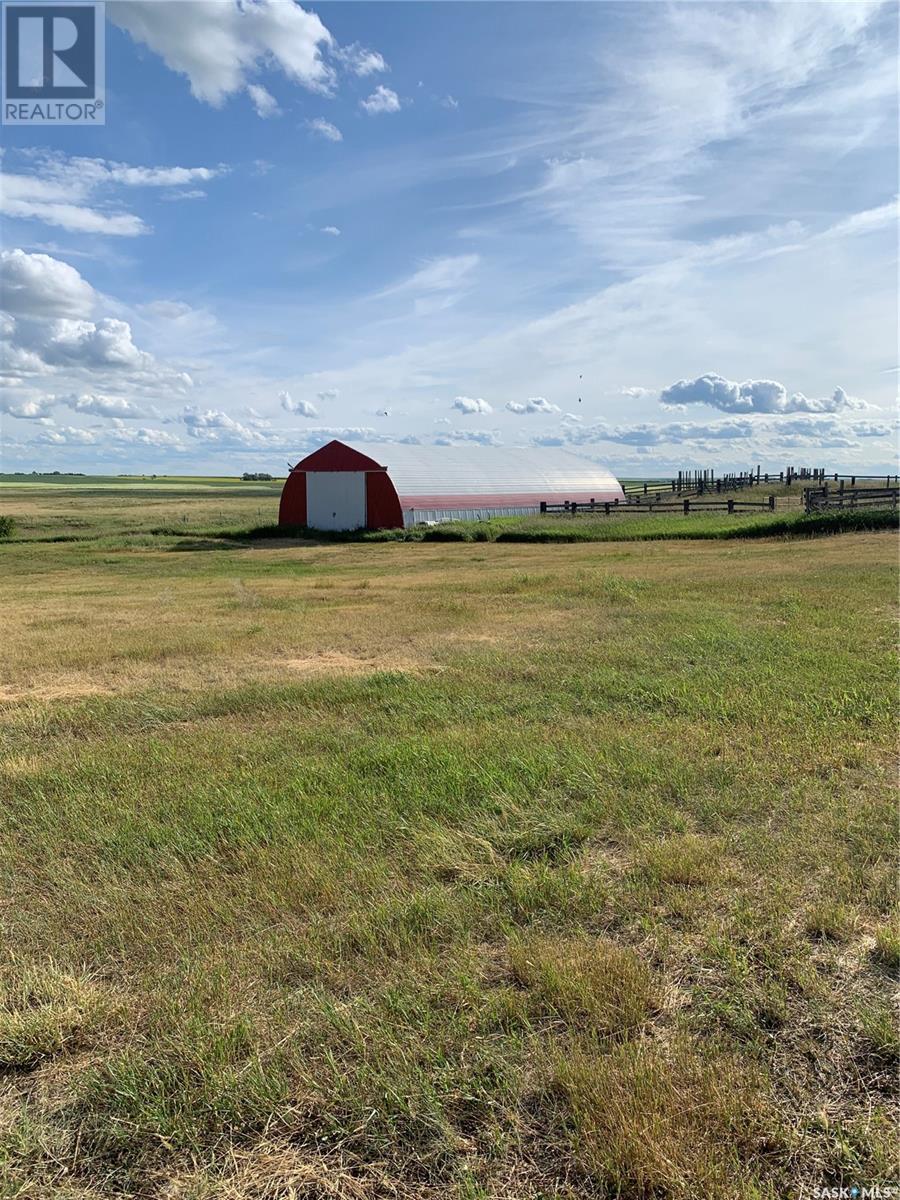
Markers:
(664, 235)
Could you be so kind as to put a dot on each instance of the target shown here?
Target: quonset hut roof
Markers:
(465, 477)
(346, 485)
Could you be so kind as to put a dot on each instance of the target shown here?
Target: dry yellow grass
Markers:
(446, 870)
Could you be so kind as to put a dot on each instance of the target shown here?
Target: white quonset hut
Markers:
(340, 486)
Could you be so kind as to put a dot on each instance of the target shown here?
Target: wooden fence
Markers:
(818, 499)
(687, 492)
(686, 505)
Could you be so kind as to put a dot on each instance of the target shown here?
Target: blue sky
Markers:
(665, 234)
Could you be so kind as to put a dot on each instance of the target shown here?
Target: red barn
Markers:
(341, 487)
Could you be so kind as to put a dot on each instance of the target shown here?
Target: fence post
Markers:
(574, 506)
(730, 505)
(606, 507)
(687, 507)
(771, 504)
(544, 507)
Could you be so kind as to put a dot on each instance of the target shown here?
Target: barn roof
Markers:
(473, 470)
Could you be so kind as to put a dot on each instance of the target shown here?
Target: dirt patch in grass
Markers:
(59, 690)
(335, 662)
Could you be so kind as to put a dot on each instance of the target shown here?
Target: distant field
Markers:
(423, 870)
(94, 507)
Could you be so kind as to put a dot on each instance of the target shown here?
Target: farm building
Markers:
(340, 486)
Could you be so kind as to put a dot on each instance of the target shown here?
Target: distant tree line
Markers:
(256, 476)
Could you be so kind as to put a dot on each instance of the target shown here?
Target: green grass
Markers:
(444, 869)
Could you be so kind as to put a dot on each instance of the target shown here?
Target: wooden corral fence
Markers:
(818, 499)
(688, 492)
(698, 483)
(681, 505)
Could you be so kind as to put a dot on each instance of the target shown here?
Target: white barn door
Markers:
(336, 499)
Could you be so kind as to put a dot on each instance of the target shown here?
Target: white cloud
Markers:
(437, 275)
(213, 425)
(325, 129)
(104, 406)
(752, 396)
(107, 342)
(302, 408)
(36, 285)
(328, 395)
(651, 435)
(534, 404)
(99, 170)
(30, 198)
(490, 437)
(216, 45)
(61, 191)
(382, 100)
(331, 230)
(638, 393)
(190, 194)
(27, 410)
(359, 60)
(466, 404)
(263, 101)
(450, 102)
(67, 435)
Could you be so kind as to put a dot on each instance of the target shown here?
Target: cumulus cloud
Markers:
(328, 395)
(104, 406)
(263, 101)
(331, 230)
(104, 343)
(217, 45)
(637, 393)
(752, 396)
(302, 408)
(651, 435)
(213, 425)
(489, 437)
(325, 129)
(359, 60)
(534, 404)
(50, 329)
(468, 404)
(68, 435)
(382, 100)
(27, 410)
(36, 285)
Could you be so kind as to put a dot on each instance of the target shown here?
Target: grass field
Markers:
(419, 870)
